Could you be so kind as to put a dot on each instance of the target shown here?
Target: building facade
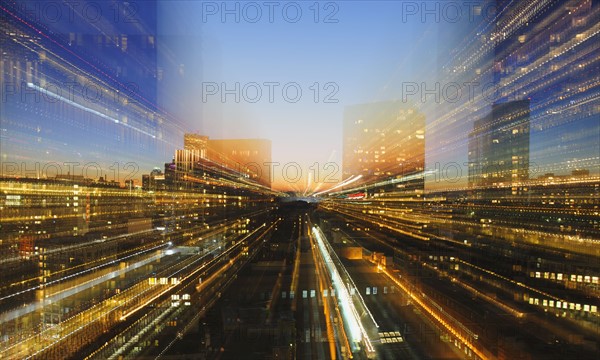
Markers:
(384, 139)
(249, 157)
(499, 146)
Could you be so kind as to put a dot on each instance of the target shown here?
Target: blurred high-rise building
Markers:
(499, 146)
(195, 143)
(82, 84)
(383, 139)
(543, 52)
(251, 157)
(551, 61)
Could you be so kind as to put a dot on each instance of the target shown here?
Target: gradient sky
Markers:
(367, 54)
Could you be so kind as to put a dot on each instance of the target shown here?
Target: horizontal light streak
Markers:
(87, 109)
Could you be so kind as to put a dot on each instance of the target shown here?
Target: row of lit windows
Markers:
(564, 305)
(163, 281)
(332, 292)
(176, 297)
(561, 277)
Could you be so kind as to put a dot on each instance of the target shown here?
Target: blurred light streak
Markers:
(92, 111)
(357, 332)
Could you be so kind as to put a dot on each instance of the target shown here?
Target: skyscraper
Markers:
(499, 146)
(383, 139)
(249, 156)
(93, 77)
(195, 143)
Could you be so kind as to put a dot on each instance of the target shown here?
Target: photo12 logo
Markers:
(293, 172)
(270, 91)
(68, 91)
(454, 172)
(270, 12)
(68, 12)
(116, 171)
(448, 11)
(456, 92)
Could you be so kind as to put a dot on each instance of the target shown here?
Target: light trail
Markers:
(91, 111)
(195, 271)
(482, 353)
(135, 339)
(105, 348)
(65, 293)
(405, 178)
(351, 285)
(324, 283)
(296, 271)
(41, 286)
(104, 310)
(352, 320)
(350, 180)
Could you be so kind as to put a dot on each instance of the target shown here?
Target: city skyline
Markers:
(300, 180)
(198, 91)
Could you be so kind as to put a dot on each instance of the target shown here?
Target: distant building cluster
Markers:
(249, 156)
(203, 159)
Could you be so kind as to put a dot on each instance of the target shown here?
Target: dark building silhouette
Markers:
(499, 146)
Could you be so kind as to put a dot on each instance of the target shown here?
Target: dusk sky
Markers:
(367, 54)
(370, 52)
